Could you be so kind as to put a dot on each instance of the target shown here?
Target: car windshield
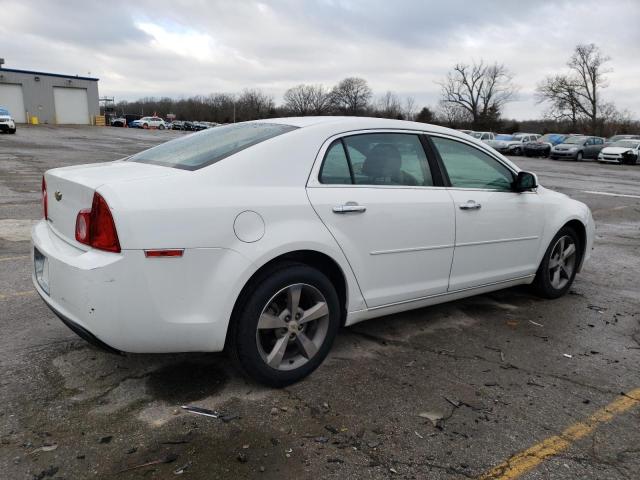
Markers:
(551, 137)
(626, 144)
(575, 140)
(4, 111)
(518, 137)
(210, 146)
(617, 138)
(505, 137)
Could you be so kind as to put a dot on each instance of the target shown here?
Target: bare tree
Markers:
(560, 92)
(453, 115)
(253, 104)
(576, 95)
(479, 89)
(587, 65)
(351, 96)
(409, 110)
(307, 100)
(389, 106)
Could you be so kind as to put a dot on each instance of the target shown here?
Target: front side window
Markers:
(469, 167)
(377, 159)
(210, 146)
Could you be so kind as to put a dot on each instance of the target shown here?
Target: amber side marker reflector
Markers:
(163, 253)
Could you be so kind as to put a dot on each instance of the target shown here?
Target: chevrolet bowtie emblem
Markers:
(58, 196)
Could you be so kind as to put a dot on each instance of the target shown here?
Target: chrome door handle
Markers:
(349, 207)
(470, 205)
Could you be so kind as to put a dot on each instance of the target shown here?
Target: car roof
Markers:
(361, 123)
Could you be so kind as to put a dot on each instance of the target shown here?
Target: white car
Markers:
(483, 136)
(7, 123)
(265, 237)
(512, 144)
(150, 122)
(622, 151)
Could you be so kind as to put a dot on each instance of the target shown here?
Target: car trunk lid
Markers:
(71, 189)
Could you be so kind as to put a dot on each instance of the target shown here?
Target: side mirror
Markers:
(524, 182)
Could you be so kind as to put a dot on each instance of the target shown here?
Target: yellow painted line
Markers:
(529, 459)
(4, 296)
(4, 259)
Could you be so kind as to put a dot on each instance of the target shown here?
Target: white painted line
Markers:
(611, 194)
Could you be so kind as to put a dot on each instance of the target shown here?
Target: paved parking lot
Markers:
(499, 385)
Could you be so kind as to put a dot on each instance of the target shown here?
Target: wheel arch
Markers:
(313, 258)
(580, 228)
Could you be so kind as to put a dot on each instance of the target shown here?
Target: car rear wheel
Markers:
(161, 127)
(559, 265)
(517, 151)
(579, 157)
(285, 325)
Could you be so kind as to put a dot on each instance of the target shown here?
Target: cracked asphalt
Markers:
(445, 392)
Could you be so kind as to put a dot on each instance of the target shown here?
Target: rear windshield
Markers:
(198, 150)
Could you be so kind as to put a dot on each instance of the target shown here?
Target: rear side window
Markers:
(377, 159)
(335, 169)
(198, 150)
(469, 167)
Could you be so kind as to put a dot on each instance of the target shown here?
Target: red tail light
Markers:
(44, 199)
(96, 227)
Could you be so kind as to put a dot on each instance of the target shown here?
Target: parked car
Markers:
(617, 138)
(7, 124)
(542, 146)
(622, 151)
(267, 236)
(577, 148)
(483, 136)
(149, 122)
(177, 125)
(119, 122)
(468, 132)
(512, 144)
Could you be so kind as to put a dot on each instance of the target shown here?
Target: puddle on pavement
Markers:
(185, 382)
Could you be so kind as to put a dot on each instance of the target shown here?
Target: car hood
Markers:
(616, 149)
(568, 145)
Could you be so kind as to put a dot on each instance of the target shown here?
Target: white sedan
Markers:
(622, 151)
(266, 237)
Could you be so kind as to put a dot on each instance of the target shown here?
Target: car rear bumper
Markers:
(127, 302)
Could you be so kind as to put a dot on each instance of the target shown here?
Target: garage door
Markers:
(71, 105)
(11, 98)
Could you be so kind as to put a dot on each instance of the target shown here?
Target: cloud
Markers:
(179, 48)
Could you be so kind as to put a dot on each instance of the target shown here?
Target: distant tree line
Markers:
(473, 96)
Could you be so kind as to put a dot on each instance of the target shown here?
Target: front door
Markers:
(376, 193)
(498, 231)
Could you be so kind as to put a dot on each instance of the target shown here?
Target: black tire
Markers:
(517, 151)
(161, 127)
(542, 283)
(242, 343)
(12, 130)
(579, 157)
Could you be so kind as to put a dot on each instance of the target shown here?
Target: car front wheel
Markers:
(284, 325)
(161, 127)
(559, 265)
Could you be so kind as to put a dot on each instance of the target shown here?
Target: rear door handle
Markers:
(349, 207)
(470, 205)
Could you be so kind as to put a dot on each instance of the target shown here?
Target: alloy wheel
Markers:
(292, 327)
(562, 262)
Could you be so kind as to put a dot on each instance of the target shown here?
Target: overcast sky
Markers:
(180, 48)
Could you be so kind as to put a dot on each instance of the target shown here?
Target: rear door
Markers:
(498, 231)
(381, 197)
